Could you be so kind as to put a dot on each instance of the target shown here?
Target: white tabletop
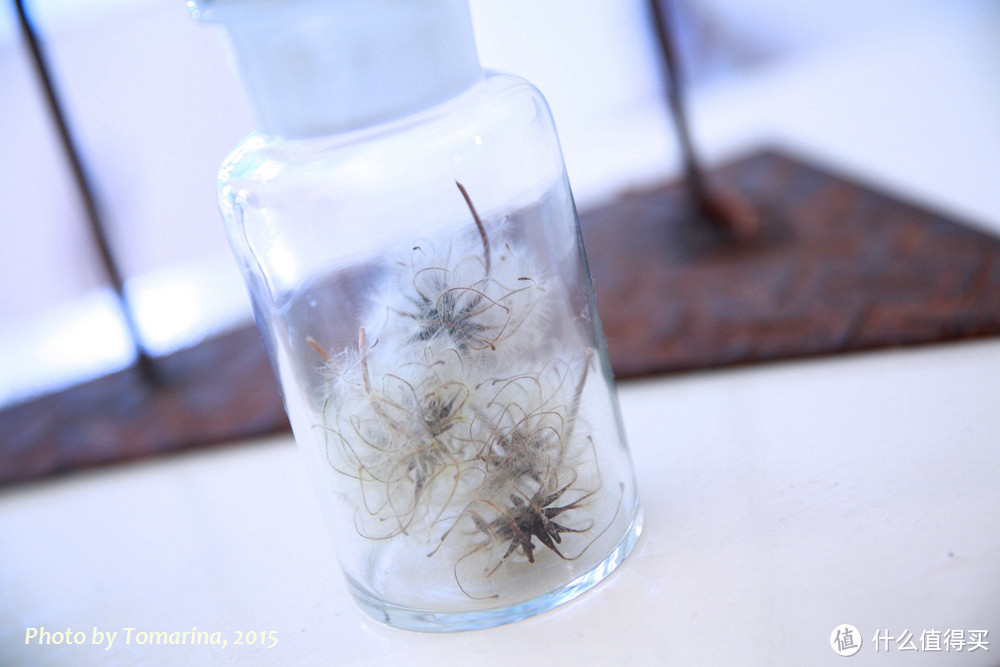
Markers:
(781, 501)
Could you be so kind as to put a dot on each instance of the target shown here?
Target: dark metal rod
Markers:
(693, 172)
(723, 208)
(86, 192)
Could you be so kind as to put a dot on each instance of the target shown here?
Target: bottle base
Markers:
(408, 618)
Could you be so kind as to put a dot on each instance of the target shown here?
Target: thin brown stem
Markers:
(319, 350)
(364, 362)
(479, 225)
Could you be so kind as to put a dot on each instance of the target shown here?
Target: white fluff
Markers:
(458, 397)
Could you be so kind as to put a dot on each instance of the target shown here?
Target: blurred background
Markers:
(901, 93)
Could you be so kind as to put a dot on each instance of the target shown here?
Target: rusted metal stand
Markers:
(836, 267)
(683, 282)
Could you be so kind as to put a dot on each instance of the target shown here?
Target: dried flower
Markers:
(459, 409)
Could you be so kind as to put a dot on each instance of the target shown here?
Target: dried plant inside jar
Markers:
(457, 415)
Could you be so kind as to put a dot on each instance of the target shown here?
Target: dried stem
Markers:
(479, 225)
(319, 350)
(364, 361)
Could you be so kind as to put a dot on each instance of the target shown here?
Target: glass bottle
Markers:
(410, 244)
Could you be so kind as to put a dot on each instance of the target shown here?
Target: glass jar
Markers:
(410, 244)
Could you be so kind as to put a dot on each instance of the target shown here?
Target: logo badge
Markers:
(845, 640)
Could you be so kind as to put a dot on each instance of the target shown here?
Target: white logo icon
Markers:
(845, 640)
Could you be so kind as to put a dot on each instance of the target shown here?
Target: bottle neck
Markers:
(312, 68)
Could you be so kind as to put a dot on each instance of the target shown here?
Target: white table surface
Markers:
(780, 500)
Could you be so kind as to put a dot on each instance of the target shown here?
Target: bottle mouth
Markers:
(316, 67)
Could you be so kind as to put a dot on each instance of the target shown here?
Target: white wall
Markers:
(898, 90)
